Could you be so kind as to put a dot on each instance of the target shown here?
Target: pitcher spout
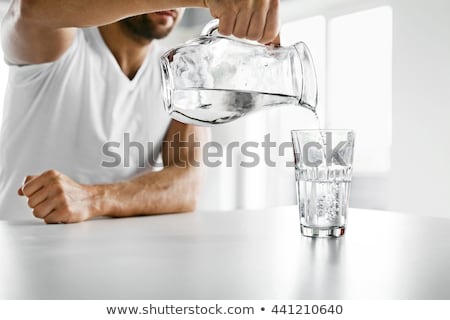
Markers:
(309, 92)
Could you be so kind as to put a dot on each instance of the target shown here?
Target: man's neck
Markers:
(129, 51)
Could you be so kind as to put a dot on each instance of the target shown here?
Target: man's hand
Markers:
(252, 19)
(56, 198)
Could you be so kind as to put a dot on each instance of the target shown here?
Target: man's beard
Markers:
(144, 28)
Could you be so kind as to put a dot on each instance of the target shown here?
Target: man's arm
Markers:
(38, 31)
(56, 198)
(173, 189)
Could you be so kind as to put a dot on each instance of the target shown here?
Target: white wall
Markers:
(421, 114)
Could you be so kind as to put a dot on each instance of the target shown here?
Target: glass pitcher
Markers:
(216, 79)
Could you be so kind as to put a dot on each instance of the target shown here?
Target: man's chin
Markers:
(149, 26)
(161, 20)
(161, 33)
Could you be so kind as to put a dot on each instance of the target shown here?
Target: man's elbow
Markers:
(191, 192)
(190, 201)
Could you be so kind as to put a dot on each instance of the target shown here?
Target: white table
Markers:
(226, 255)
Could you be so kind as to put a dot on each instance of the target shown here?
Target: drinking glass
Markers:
(323, 171)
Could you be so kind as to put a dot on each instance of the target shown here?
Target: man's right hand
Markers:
(252, 19)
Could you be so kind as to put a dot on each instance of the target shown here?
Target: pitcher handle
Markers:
(210, 28)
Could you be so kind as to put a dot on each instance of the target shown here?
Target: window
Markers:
(353, 57)
(360, 84)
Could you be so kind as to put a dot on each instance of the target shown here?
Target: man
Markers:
(73, 90)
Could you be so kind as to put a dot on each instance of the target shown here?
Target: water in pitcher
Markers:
(212, 106)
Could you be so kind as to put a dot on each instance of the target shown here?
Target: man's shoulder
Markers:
(74, 59)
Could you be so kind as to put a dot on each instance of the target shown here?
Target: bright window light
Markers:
(360, 84)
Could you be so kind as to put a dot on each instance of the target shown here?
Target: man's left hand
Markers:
(56, 198)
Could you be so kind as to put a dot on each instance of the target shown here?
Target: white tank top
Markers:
(74, 114)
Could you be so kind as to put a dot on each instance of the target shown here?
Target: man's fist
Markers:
(252, 19)
(56, 198)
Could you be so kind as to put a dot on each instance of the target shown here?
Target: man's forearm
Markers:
(86, 13)
(171, 190)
